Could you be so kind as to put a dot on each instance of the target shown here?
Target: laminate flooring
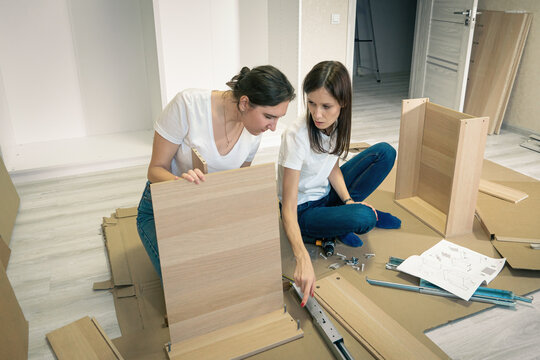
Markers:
(58, 250)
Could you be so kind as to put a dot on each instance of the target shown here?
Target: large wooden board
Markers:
(499, 40)
(82, 339)
(382, 336)
(219, 248)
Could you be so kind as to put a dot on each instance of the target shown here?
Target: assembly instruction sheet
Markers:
(454, 268)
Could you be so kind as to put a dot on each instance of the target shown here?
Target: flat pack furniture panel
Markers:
(502, 192)
(499, 39)
(240, 340)
(380, 334)
(9, 206)
(439, 165)
(219, 249)
(82, 339)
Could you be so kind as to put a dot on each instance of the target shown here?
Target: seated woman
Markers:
(225, 127)
(318, 198)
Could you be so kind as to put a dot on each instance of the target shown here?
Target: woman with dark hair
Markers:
(318, 198)
(225, 127)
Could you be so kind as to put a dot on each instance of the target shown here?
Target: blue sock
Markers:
(387, 221)
(351, 239)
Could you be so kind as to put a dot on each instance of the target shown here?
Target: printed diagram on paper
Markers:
(454, 268)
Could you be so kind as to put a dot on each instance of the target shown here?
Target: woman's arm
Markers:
(338, 183)
(159, 169)
(304, 275)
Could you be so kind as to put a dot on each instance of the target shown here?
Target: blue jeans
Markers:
(147, 228)
(329, 217)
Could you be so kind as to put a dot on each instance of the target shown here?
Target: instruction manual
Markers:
(454, 268)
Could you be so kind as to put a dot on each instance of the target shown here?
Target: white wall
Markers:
(75, 68)
(301, 35)
(39, 71)
(204, 43)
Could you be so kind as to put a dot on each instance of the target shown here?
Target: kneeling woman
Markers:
(224, 126)
(320, 199)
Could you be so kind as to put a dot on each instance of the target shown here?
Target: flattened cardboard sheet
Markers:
(136, 287)
(518, 255)
(9, 206)
(5, 251)
(13, 325)
(83, 339)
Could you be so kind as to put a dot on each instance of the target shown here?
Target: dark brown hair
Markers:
(263, 85)
(334, 77)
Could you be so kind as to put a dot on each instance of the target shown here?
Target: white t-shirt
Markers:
(187, 121)
(295, 153)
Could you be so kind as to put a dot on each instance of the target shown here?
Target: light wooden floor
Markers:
(58, 251)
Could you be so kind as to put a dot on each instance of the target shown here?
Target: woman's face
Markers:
(324, 108)
(258, 119)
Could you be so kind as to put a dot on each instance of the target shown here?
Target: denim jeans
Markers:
(329, 217)
(147, 228)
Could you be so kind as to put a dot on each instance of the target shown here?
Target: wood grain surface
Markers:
(219, 248)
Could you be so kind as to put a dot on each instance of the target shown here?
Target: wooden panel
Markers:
(425, 212)
(496, 52)
(410, 135)
(512, 74)
(382, 336)
(83, 339)
(472, 142)
(219, 248)
(501, 191)
(240, 340)
(198, 161)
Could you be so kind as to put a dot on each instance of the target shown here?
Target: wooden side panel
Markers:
(499, 40)
(439, 148)
(82, 339)
(472, 142)
(240, 340)
(380, 334)
(219, 248)
(410, 142)
(513, 72)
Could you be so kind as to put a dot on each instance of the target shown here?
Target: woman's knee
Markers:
(364, 219)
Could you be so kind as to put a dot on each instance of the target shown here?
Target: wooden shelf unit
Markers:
(439, 165)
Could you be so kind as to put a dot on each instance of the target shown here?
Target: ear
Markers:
(243, 103)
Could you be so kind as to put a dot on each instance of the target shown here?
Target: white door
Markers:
(442, 51)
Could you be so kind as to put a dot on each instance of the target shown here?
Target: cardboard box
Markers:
(9, 206)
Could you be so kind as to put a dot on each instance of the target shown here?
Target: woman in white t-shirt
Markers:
(225, 127)
(318, 198)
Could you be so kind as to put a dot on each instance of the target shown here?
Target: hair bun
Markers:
(233, 83)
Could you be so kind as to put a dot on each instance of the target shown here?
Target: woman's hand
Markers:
(194, 176)
(304, 277)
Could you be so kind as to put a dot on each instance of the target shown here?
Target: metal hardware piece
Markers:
(334, 266)
(324, 257)
(367, 256)
(322, 322)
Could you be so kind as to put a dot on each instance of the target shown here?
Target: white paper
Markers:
(454, 268)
